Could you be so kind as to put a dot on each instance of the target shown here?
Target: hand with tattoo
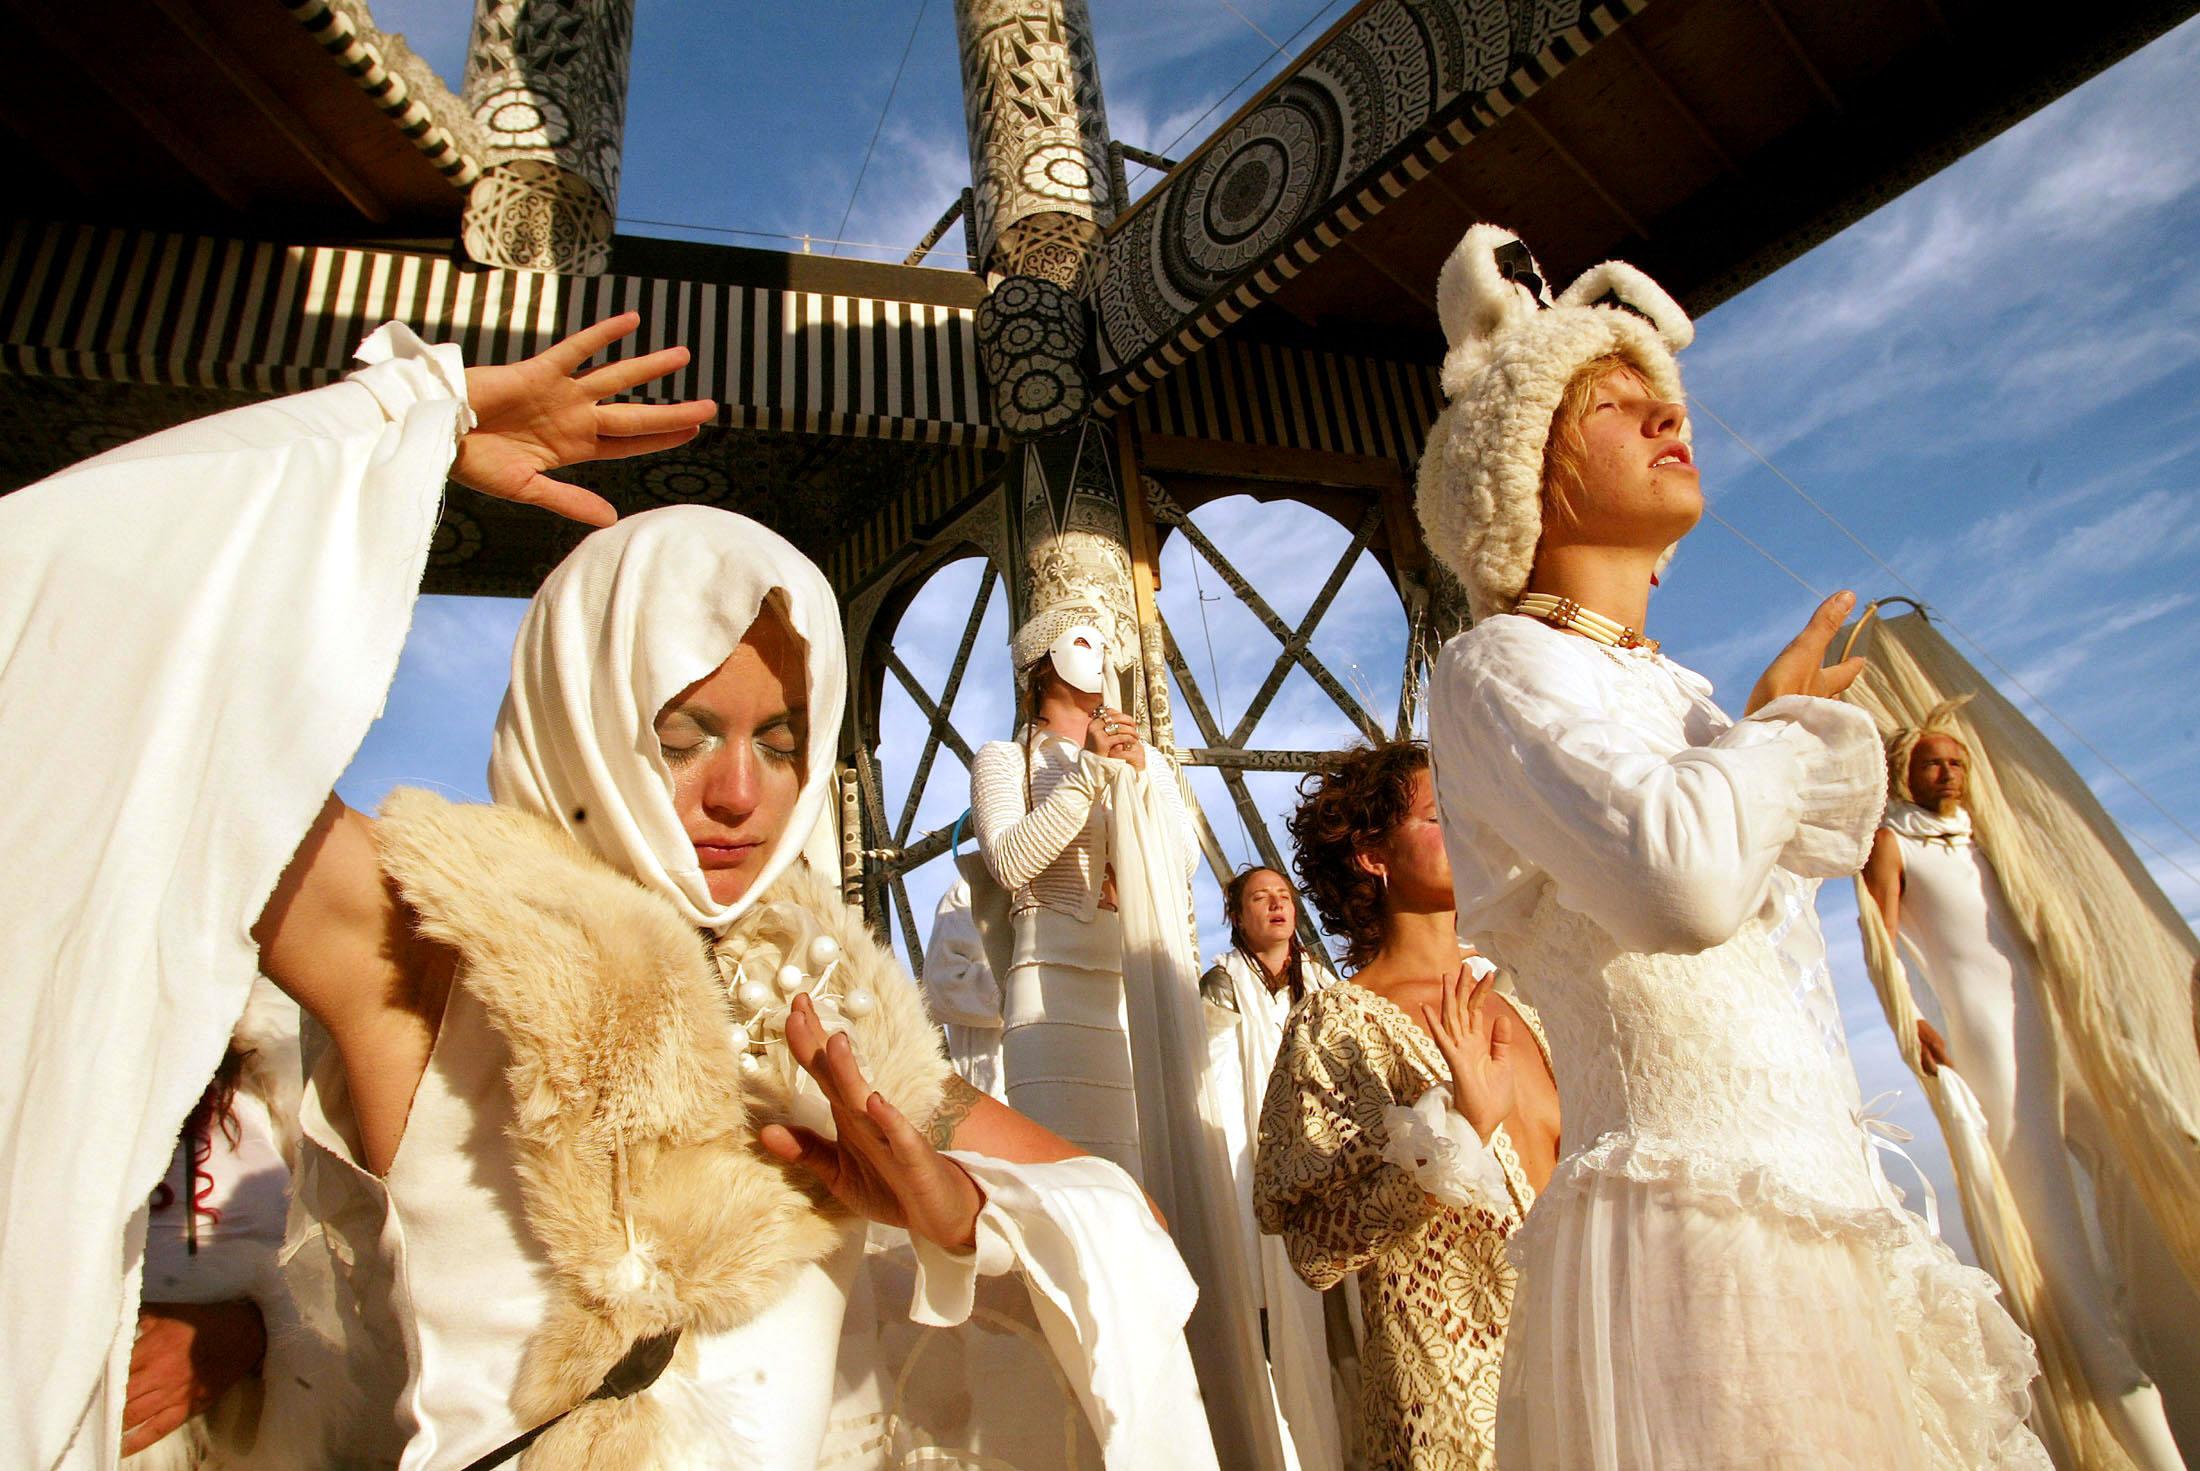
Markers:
(877, 1164)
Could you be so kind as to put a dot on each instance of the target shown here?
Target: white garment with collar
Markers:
(1241, 1056)
(1715, 1274)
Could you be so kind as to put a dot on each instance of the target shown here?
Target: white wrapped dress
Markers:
(1717, 1275)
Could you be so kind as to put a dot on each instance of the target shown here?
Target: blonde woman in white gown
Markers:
(1717, 1275)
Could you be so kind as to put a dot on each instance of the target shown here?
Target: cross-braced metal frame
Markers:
(893, 860)
(895, 851)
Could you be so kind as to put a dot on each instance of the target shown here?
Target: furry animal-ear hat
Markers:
(1510, 351)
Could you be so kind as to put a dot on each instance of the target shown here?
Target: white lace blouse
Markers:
(1643, 866)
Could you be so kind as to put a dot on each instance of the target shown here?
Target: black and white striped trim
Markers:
(1297, 398)
(909, 520)
(135, 306)
(363, 64)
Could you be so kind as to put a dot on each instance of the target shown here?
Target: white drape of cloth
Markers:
(195, 632)
(649, 607)
(1243, 1055)
(1182, 1144)
(962, 993)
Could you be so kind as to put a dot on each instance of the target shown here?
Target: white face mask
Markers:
(1081, 657)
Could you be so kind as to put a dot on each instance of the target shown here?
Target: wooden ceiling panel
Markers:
(206, 113)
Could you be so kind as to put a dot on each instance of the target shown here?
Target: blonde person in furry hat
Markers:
(1944, 905)
(1716, 1274)
(617, 1077)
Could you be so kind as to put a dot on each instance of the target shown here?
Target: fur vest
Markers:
(635, 1129)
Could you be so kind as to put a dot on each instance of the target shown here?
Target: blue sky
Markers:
(1990, 381)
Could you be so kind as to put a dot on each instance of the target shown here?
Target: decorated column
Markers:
(1040, 198)
(546, 79)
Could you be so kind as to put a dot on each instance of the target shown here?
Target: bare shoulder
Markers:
(335, 934)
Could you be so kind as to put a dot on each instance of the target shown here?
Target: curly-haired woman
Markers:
(1367, 1164)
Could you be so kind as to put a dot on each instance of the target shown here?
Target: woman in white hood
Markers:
(604, 1051)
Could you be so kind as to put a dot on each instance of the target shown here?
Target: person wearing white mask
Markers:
(1043, 829)
(604, 1051)
(1102, 1038)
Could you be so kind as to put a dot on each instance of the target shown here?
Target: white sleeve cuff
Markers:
(1843, 786)
(1434, 1144)
(402, 370)
(947, 1281)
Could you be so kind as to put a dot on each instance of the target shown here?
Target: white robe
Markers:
(1241, 1054)
(195, 632)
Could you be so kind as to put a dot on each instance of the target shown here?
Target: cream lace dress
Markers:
(1718, 1275)
(1435, 1286)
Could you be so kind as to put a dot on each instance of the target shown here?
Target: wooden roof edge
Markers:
(1969, 117)
(406, 89)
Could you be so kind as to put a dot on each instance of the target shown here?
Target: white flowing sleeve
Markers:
(1668, 847)
(195, 632)
(1108, 1288)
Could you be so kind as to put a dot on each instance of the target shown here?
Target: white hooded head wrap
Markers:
(637, 613)
(1510, 351)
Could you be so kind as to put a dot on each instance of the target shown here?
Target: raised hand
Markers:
(1112, 733)
(1800, 668)
(1477, 1041)
(879, 1167)
(536, 415)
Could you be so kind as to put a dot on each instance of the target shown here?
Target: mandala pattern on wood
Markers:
(1334, 121)
(1031, 341)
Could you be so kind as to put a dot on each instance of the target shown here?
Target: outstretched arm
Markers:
(334, 934)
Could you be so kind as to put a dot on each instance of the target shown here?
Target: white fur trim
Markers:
(1479, 491)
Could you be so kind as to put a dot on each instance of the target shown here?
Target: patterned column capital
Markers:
(1031, 344)
(546, 80)
(1038, 137)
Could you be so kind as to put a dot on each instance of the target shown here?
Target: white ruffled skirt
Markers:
(1665, 1323)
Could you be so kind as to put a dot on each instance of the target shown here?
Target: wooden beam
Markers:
(1421, 294)
(83, 51)
(280, 115)
(1656, 75)
(1581, 171)
(1179, 454)
(1145, 550)
(1402, 529)
(1794, 45)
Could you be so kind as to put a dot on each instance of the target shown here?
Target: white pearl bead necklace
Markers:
(761, 1008)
